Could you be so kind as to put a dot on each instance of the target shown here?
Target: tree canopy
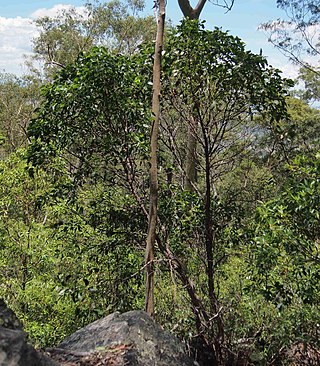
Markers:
(236, 242)
(118, 25)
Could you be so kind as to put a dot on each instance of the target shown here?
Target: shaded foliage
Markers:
(251, 224)
(95, 115)
(18, 99)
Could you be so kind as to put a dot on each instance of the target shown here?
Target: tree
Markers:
(18, 98)
(210, 76)
(161, 7)
(297, 37)
(116, 25)
(284, 260)
(28, 261)
(95, 116)
(96, 113)
(301, 135)
(194, 13)
(67, 258)
(310, 78)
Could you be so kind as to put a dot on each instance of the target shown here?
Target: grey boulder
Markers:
(134, 334)
(14, 349)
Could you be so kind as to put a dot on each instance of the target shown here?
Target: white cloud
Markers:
(56, 10)
(16, 36)
(289, 70)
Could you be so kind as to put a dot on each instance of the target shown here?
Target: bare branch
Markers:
(51, 60)
(228, 5)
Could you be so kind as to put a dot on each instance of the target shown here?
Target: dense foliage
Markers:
(237, 250)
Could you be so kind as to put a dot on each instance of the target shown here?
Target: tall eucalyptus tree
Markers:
(161, 9)
(194, 13)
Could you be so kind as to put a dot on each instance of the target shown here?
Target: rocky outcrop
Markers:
(129, 339)
(14, 349)
(133, 336)
(8, 318)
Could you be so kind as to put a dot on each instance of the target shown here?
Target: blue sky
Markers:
(243, 21)
(244, 13)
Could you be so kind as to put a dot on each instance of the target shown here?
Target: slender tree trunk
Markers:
(191, 13)
(209, 230)
(149, 256)
(209, 235)
(191, 155)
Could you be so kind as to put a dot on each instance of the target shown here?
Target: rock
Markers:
(8, 318)
(130, 339)
(14, 349)
(133, 336)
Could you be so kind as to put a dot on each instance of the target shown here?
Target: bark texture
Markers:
(151, 238)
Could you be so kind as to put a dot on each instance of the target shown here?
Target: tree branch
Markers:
(190, 12)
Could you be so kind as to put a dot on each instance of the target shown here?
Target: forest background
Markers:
(237, 243)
